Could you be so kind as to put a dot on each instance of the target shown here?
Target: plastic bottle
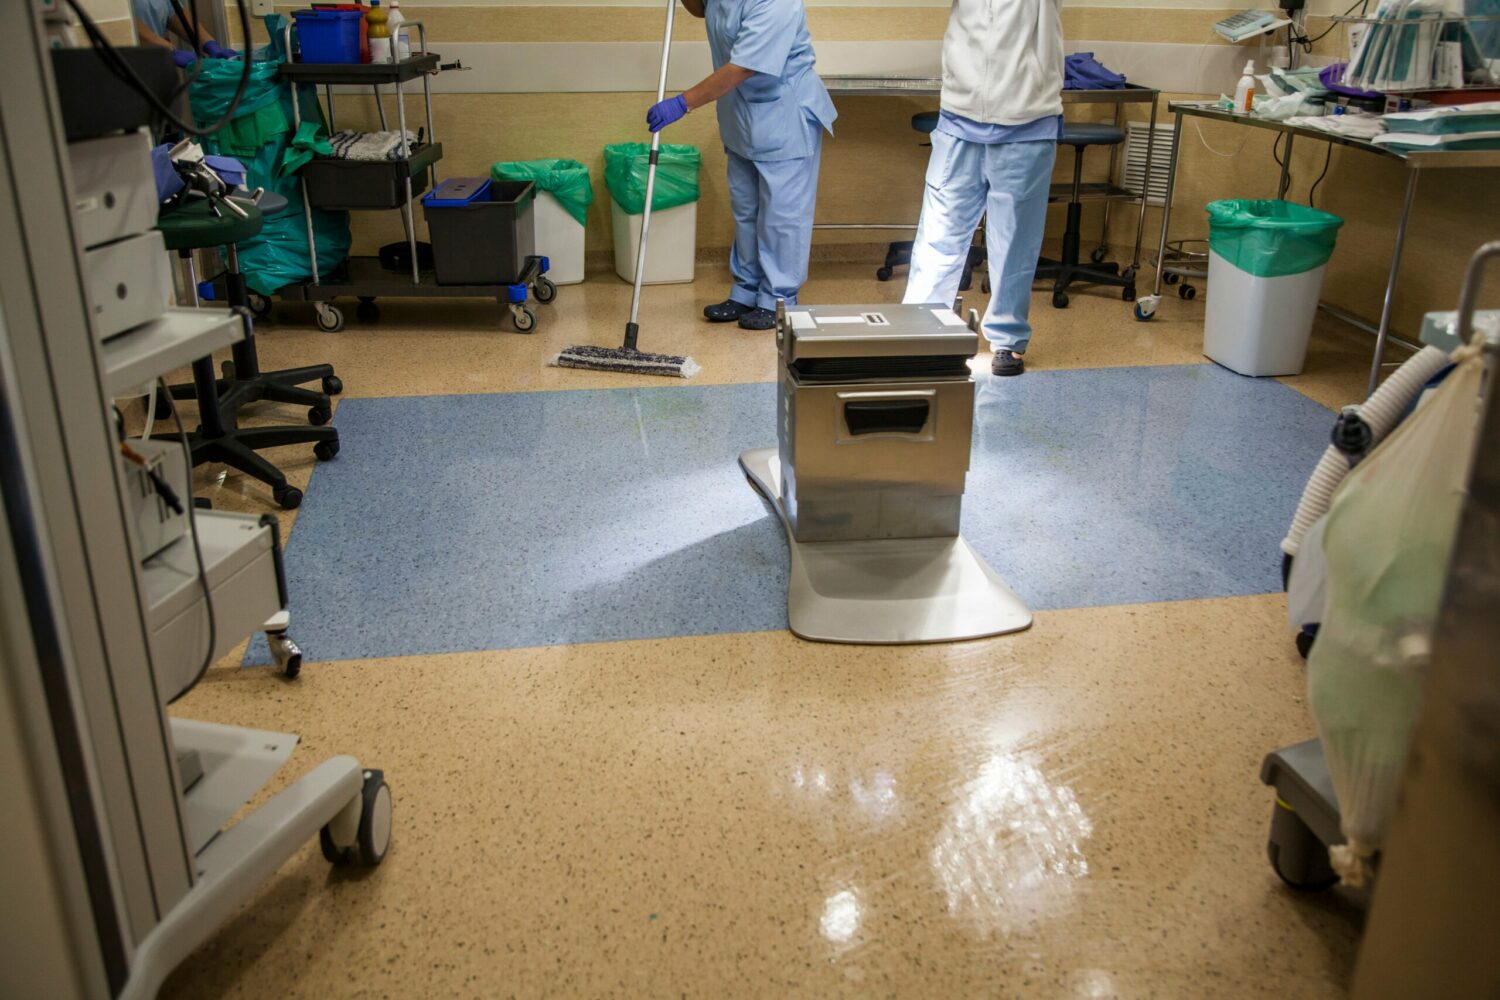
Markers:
(380, 33)
(393, 19)
(1244, 91)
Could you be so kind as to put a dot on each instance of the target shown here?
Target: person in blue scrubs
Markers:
(773, 110)
(156, 19)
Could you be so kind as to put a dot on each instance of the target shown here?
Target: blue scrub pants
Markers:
(773, 205)
(1006, 181)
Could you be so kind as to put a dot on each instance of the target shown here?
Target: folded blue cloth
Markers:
(168, 183)
(1081, 71)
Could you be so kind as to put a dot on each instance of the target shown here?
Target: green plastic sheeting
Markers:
(260, 137)
(1271, 238)
(625, 168)
(566, 180)
(310, 141)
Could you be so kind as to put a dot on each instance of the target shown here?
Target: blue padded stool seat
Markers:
(925, 122)
(1079, 134)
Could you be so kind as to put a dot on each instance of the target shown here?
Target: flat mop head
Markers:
(626, 361)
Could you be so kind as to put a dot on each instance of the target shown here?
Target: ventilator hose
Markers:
(1381, 411)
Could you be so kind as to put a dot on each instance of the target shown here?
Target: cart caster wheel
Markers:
(1297, 856)
(1171, 278)
(260, 305)
(332, 385)
(1099, 254)
(1127, 294)
(1187, 292)
(330, 319)
(285, 654)
(883, 274)
(326, 451)
(319, 415)
(545, 290)
(372, 835)
(1145, 308)
(289, 497)
(367, 312)
(523, 319)
(1059, 300)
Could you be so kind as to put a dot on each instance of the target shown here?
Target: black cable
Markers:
(208, 597)
(128, 75)
(1307, 43)
(1312, 194)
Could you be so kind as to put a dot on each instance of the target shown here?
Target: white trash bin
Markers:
(671, 254)
(559, 238)
(1259, 326)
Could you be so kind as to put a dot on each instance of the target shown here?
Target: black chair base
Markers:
(1068, 270)
(899, 255)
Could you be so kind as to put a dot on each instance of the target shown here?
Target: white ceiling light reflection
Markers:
(841, 914)
(1011, 850)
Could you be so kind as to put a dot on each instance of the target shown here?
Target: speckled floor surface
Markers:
(1071, 811)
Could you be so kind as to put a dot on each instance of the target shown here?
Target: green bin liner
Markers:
(259, 136)
(1271, 238)
(566, 180)
(625, 168)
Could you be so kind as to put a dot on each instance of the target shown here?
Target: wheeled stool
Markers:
(218, 437)
(898, 254)
(1066, 271)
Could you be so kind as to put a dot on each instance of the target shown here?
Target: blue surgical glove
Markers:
(216, 51)
(184, 58)
(666, 112)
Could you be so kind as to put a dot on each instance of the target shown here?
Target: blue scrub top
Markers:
(763, 118)
(156, 13)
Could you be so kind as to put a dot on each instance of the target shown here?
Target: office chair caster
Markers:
(1187, 292)
(883, 274)
(287, 497)
(284, 653)
(332, 385)
(1059, 300)
(330, 318)
(1127, 294)
(1171, 277)
(319, 415)
(361, 832)
(367, 311)
(260, 305)
(1099, 254)
(326, 451)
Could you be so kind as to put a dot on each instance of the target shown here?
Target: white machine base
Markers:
(899, 590)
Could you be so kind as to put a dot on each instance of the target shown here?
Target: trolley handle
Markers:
(1473, 280)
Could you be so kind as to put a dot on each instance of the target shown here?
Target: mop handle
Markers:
(640, 255)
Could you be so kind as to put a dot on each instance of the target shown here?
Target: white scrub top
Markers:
(763, 118)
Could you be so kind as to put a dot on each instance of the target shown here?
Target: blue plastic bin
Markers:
(328, 36)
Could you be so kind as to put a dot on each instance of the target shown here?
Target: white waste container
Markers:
(671, 253)
(559, 238)
(1266, 261)
(1259, 326)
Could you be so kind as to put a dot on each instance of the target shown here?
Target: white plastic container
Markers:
(559, 238)
(1259, 326)
(672, 253)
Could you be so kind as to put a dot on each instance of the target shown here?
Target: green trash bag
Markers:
(625, 168)
(259, 136)
(566, 180)
(1271, 238)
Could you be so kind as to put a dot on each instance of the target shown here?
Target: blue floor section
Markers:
(459, 523)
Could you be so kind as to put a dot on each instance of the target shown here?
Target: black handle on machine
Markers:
(886, 416)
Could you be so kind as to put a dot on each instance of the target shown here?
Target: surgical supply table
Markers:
(1107, 192)
(1415, 162)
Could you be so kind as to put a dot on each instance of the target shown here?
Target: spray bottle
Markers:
(1244, 91)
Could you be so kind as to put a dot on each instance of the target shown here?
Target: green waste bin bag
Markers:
(1271, 238)
(566, 180)
(625, 169)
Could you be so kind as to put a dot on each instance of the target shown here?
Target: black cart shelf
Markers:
(362, 185)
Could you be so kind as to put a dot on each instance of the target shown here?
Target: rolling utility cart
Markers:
(364, 185)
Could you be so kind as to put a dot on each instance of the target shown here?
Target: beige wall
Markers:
(872, 170)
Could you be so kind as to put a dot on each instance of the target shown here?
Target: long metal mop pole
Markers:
(633, 329)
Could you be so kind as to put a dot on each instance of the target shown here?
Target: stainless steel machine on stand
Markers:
(875, 415)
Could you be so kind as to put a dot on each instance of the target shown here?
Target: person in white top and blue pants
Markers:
(992, 156)
(773, 110)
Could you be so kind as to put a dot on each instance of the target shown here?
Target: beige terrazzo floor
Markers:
(1072, 811)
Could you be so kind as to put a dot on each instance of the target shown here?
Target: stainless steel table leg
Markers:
(1140, 223)
(1166, 208)
(1286, 168)
(1390, 283)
